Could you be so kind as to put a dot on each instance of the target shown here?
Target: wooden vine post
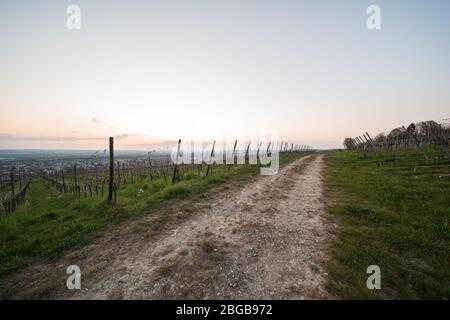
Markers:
(150, 167)
(118, 174)
(111, 169)
(210, 158)
(176, 162)
(75, 179)
(234, 154)
(13, 193)
(247, 157)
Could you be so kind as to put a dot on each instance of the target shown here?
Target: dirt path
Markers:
(266, 240)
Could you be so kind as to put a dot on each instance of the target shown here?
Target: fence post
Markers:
(75, 179)
(12, 189)
(176, 162)
(257, 152)
(118, 174)
(246, 153)
(369, 144)
(150, 166)
(111, 168)
(63, 181)
(210, 158)
(234, 154)
(268, 147)
(12, 182)
(163, 170)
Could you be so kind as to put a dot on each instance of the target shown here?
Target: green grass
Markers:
(394, 211)
(48, 223)
(208, 246)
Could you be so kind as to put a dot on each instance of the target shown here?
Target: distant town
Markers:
(32, 163)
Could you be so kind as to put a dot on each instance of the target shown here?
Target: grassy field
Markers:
(394, 211)
(50, 223)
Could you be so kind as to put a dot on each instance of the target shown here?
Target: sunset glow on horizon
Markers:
(152, 72)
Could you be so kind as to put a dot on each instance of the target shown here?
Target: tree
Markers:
(349, 143)
(411, 128)
(381, 137)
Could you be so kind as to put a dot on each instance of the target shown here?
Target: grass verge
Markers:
(394, 212)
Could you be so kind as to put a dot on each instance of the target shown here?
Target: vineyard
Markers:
(66, 208)
(391, 194)
(421, 135)
(102, 177)
(13, 191)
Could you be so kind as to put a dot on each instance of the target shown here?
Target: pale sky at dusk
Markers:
(152, 71)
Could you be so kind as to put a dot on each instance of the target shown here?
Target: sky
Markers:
(151, 72)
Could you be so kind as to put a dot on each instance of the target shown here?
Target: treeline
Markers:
(417, 135)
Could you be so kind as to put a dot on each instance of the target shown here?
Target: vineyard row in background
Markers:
(108, 179)
(417, 135)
